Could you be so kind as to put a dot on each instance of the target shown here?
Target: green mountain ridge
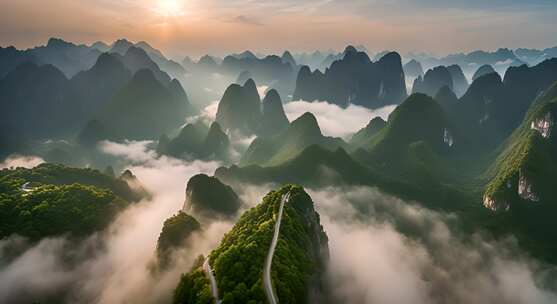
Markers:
(527, 165)
(175, 232)
(299, 259)
(300, 134)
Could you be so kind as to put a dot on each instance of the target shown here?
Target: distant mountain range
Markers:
(127, 95)
(355, 79)
(466, 144)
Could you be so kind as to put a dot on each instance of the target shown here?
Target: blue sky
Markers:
(196, 27)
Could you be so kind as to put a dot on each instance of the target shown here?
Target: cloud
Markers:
(334, 120)
(247, 20)
(15, 161)
(382, 249)
(385, 250)
(112, 266)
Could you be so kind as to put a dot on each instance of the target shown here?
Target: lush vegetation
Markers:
(194, 286)
(363, 136)
(52, 200)
(300, 134)
(57, 174)
(410, 158)
(529, 156)
(298, 261)
(175, 232)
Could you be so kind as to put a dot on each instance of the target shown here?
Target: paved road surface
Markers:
(268, 284)
(209, 271)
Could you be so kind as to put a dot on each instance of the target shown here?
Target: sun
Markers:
(170, 8)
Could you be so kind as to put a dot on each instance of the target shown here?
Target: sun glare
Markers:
(170, 8)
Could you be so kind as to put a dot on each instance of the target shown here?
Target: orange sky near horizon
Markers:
(195, 27)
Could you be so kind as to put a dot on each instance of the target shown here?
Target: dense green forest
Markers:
(51, 200)
(238, 262)
(175, 232)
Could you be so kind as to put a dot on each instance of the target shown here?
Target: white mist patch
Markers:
(15, 161)
(334, 120)
(113, 265)
(261, 90)
(372, 261)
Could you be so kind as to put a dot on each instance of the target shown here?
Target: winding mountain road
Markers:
(25, 187)
(209, 271)
(268, 284)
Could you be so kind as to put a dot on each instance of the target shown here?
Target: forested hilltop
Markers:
(299, 260)
(51, 200)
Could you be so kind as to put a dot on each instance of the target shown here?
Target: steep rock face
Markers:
(525, 169)
(495, 204)
(300, 134)
(483, 70)
(460, 84)
(433, 80)
(208, 198)
(145, 108)
(299, 259)
(413, 69)
(543, 125)
(240, 108)
(273, 118)
(525, 190)
(523, 84)
(448, 138)
(355, 79)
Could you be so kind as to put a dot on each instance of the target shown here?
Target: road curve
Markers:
(209, 271)
(25, 187)
(267, 283)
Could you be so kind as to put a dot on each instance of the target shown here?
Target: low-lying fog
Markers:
(382, 249)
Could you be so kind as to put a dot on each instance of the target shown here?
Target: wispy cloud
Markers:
(247, 20)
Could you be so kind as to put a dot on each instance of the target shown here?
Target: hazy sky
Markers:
(195, 27)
